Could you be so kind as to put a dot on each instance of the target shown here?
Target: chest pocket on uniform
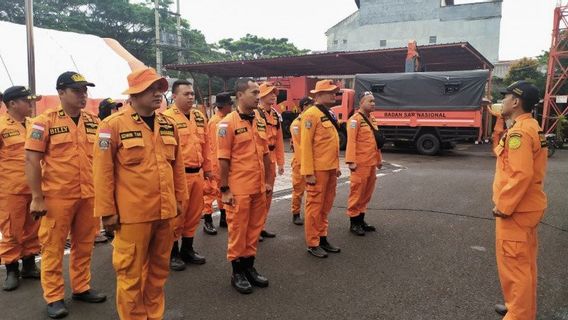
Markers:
(60, 143)
(131, 152)
(243, 135)
(170, 144)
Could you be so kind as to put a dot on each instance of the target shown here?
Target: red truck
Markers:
(428, 110)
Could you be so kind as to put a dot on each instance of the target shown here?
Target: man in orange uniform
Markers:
(224, 105)
(320, 166)
(243, 162)
(139, 190)
(59, 162)
(268, 94)
(18, 228)
(519, 201)
(298, 182)
(191, 125)
(363, 158)
(499, 127)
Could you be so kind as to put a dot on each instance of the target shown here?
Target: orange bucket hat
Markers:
(266, 88)
(142, 79)
(325, 86)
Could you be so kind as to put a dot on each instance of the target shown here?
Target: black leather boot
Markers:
(187, 254)
(325, 245)
(297, 219)
(12, 276)
(367, 227)
(501, 309)
(356, 226)
(252, 275)
(208, 225)
(29, 268)
(238, 279)
(57, 310)
(176, 264)
(223, 218)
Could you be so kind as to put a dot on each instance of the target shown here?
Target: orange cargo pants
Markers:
(212, 193)
(516, 251)
(271, 181)
(362, 185)
(18, 228)
(245, 220)
(65, 217)
(188, 221)
(140, 259)
(298, 187)
(319, 201)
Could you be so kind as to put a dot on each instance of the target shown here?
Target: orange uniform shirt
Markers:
(274, 135)
(244, 145)
(139, 174)
(212, 136)
(12, 156)
(361, 146)
(296, 139)
(319, 141)
(193, 137)
(68, 152)
(521, 166)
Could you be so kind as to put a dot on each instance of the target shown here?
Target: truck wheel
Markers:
(428, 144)
(286, 129)
(342, 140)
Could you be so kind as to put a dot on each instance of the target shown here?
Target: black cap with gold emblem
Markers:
(19, 92)
(71, 79)
(524, 90)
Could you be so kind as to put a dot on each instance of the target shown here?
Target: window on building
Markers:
(344, 41)
(383, 43)
(335, 42)
(433, 39)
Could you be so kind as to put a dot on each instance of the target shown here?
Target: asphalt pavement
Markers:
(433, 256)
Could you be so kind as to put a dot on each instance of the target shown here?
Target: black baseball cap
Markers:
(109, 103)
(305, 102)
(19, 92)
(524, 90)
(71, 79)
(223, 99)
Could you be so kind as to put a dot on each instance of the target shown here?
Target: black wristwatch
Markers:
(224, 189)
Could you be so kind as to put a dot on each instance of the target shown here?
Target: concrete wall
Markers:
(397, 21)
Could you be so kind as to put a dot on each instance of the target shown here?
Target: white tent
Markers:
(57, 52)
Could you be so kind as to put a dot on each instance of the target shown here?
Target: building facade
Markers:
(386, 24)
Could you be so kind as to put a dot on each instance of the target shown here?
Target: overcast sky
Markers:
(526, 25)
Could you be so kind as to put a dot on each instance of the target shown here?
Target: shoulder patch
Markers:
(308, 124)
(514, 142)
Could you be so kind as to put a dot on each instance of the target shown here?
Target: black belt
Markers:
(192, 170)
(271, 147)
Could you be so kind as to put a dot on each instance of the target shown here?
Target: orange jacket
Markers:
(274, 135)
(244, 145)
(139, 174)
(361, 146)
(193, 137)
(12, 156)
(521, 167)
(68, 152)
(319, 141)
(212, 136)
(296, 139)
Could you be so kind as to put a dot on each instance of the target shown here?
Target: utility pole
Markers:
(180, 54)
(158, 49)
(30, 44)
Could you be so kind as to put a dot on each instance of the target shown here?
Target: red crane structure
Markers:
(555, 101)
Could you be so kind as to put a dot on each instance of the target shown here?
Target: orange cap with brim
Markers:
(266, 88)
(140, 80)
(325, 86)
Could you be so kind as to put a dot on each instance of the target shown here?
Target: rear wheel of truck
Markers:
(428, 144)
(342, 140)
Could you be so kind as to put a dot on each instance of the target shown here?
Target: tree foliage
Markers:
(253, 47)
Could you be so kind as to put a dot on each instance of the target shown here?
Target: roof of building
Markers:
(440, 57)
